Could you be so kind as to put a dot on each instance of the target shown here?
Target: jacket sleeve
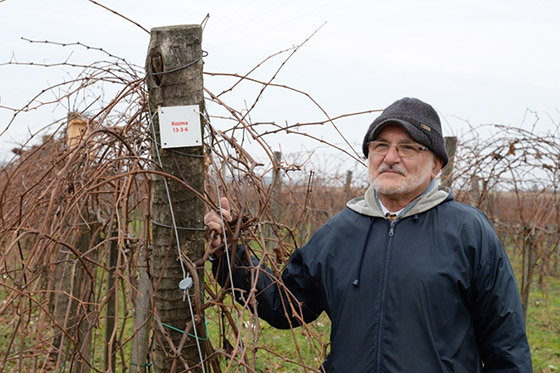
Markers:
(283, 303)
(496, 312)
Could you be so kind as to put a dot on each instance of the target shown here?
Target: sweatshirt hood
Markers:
(369, 205)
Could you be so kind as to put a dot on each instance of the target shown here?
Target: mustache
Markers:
(395, 168)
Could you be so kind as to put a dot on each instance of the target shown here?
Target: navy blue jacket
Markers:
(432, 291)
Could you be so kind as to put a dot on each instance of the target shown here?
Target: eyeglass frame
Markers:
(415, 148)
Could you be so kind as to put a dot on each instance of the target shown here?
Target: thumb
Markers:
(225, 208)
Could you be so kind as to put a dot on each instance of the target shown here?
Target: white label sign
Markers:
(179, 126)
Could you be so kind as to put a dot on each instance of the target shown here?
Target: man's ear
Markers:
(437, 167)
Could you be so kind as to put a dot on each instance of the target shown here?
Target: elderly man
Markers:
(412, 280)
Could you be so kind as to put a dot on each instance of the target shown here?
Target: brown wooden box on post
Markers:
(77, 129)
(174, 78)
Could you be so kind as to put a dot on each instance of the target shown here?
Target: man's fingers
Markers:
(216, 241)
(227, 215)
(226, 211)
(224, 202)
(213, 238)
(214, 223)
(215, 226)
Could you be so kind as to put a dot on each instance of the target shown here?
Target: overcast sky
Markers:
(474, 61)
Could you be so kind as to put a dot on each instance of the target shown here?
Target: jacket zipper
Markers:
(383, 290)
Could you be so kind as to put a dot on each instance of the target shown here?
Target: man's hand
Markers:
(215, 225)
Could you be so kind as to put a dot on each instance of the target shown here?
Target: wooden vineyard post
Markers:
(275, 187)
(174, 78)
(447, 172)
(348, 186)
(72, 288)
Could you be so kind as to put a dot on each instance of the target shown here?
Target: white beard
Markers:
(408, 184)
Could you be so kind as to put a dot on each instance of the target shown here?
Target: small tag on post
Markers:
(179, 126)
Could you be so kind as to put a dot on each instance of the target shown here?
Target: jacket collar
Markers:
(368, 204)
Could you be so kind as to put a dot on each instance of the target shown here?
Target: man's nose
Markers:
(392, 156)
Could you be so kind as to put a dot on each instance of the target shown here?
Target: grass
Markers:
(543, 327)
(272, 350)
(543, 331)
(543, 319)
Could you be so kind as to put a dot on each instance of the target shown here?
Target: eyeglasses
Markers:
(403, 150)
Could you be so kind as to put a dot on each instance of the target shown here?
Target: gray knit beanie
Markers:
(419, 119)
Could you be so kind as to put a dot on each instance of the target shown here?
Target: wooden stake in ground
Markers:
(174, 78)
(447, 172)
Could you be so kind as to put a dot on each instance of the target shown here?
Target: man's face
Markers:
(399, 177)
